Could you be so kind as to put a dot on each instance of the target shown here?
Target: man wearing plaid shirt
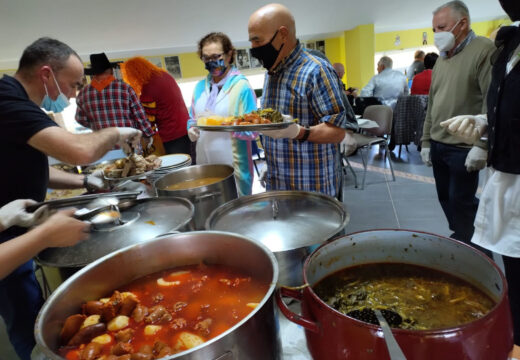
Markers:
(108, 102)
(305, 155)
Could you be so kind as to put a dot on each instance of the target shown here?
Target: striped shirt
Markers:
(305, 87)
(116, 105)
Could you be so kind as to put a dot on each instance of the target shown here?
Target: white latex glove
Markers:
(14, 213)
(263, 176)
(425, 156)
(194, 133)
(469, 128)
(150, 143)
(476, 159)
(290, 132)
(96, 181)
(348, 145)
(129, 139)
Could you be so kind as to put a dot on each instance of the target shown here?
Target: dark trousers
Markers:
(456, 188)
(20, 302)
(512, 269)
(178, 146)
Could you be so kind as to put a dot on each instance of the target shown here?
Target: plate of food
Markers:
(131, 168)
(265, 119)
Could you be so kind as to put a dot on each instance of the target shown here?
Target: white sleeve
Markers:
(368, 90)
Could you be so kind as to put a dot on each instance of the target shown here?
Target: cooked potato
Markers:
(162, 282)
(125, 294)
(118, 323)
(104, 300)
(151, 329)
(102, 339)
(188, 340)
(91, 320)
(252, 305)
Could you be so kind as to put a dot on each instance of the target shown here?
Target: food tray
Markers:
(258, 127)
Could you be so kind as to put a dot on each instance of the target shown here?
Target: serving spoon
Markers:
(394, 350)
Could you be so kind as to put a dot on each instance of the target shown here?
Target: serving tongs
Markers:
(103, 215)
(103, 211)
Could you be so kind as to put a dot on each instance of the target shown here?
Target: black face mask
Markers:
(512, 8)
(266, 54)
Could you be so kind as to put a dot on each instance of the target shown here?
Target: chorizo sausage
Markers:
(124, 335)
(158, 315)
(122, 348)
(71, 327)
(93, 307)
(87, 333)
(139, 313)
(141, 356)
(91, 351)
(128, 305)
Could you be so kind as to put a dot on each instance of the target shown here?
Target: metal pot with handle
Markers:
(333, 335)
(206, 197)
(289, 223)
(256, 336)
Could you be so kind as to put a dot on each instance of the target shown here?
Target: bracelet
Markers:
(306, 134)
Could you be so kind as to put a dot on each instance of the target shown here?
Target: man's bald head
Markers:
(275, 23)
(340, 69)
(271, 17)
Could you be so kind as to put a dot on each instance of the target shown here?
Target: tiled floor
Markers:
(408, 203)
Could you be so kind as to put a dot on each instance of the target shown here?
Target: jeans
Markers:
(20, 301)
(456, 188)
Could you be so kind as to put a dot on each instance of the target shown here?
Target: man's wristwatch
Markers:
(306, 133)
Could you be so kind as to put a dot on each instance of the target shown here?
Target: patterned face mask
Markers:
(216, 67)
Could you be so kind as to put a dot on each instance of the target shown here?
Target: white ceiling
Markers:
(119, 27)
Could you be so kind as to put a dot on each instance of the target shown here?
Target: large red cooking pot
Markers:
(333, 335)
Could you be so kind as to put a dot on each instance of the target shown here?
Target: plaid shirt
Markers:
(305, 87)
(116, 105)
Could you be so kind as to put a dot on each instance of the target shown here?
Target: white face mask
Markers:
(445, 40)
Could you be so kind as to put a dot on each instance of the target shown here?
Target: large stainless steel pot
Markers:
(254, 337)
(287, 222)
(333, 335)
(205, 198)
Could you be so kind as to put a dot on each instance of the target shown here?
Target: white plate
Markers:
(173, 160)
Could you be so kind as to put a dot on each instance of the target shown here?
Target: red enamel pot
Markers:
(333, 335)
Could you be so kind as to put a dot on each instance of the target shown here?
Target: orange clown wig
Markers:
(137, 71)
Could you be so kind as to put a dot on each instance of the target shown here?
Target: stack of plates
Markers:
(169, 163)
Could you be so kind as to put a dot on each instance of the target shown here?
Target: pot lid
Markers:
(282, 220)
(141, 221)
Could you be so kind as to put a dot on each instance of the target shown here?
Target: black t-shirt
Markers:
(25, 170)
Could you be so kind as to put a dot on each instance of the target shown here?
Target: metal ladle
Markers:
(394, 350)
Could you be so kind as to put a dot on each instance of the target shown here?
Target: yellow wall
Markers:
(359, 55)
(356, 48)
(413, 38)
(191, 65)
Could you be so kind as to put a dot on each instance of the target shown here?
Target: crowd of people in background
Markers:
(466, 92)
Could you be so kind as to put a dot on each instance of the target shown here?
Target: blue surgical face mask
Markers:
(216, 67)
(58, 105)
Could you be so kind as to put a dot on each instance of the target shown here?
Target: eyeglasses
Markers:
(213, 57)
